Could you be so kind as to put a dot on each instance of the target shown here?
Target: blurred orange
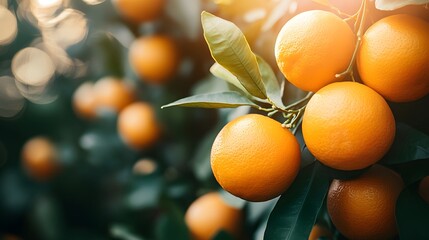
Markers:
(40, 158)
(107, 93)
(138, 126)
(155, 58)
(84, 101)
(113, 93)
(138, 11)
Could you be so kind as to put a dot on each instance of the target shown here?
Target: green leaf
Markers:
(170, 227)
(223, 235)
(296, 211)
(412, 214)
(119, 231)
(271, 83)
(412, 171)
(214, 100)
(388, 5)
(217, 70)
(230, 49)
(409, 145)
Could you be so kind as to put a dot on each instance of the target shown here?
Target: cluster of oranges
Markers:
(354, 66)
(347, 124)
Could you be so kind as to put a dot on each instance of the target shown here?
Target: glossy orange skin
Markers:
(348, 126)
(364, 207)
(255, 150)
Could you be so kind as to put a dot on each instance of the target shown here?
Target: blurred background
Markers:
(86, 152)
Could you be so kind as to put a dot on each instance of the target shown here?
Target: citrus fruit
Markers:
(84, 101)
(424, 188)
(155, 58)
(40, 158)
(209, 214)
(348, 126)
(319, 231)
(312, 47)
(138, 125)
(138, 11)
(364, 207)
(253, 157)
(393, 58)
(113, 94)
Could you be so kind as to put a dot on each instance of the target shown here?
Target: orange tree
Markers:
(98, 158)
(356, 151)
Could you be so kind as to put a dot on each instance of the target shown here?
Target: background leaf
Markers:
(395, 4)
(412, 214)
(412, 171)
(296, 211)
(409, 145)
(230, 49)
(214, 100)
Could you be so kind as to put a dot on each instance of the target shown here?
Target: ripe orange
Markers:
(364, 207)
(155, 59)
(424, 188)
(319, 231)
(40, 158)
(113, 94)
(312, 47)
(209, 214)
(138, 11)
(84, 101)
(253, 157)
(348, 126)
(138, 126)
(393, 58)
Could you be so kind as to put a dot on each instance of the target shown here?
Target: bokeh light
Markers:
(32, 66)
(8, 26)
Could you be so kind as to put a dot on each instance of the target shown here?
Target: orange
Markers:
(348, 126)
(209, 214)
(424, 188)
(393, 58)
(364, 208)
(84, 101)
(253, 157)
(113, 94)
(312, 47)
(138, 125)
(40, 158)
(319, 231)
(138, 11)
(155, 59)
